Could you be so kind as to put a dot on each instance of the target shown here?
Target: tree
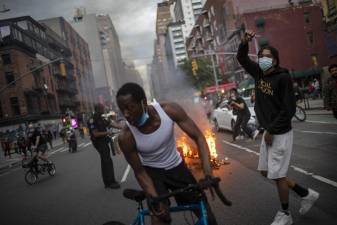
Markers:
(203, 74)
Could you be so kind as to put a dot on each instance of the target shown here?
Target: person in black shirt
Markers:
(240, 109)
(38, 143)
(275, 106)
(98, 129)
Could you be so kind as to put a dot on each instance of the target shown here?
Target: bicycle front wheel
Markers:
(51, 169)
(300, 114)
(30, 177)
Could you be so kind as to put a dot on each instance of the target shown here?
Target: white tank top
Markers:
(158, 149)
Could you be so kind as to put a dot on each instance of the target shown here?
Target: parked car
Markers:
(223, 117)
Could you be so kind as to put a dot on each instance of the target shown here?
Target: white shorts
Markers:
(275, 159)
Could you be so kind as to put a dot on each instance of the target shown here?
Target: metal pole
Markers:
(214, 74)
(25, 74)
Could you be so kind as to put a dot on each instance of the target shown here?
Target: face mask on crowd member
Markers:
(268, 58)
(265, 63)
(143, 118)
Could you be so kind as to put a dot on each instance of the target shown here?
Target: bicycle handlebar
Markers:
(208, 182)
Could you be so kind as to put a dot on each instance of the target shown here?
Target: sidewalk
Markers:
(15, 159)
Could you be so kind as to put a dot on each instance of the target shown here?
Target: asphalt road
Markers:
(75, 195)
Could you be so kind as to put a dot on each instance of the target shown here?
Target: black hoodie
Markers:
(275, 101)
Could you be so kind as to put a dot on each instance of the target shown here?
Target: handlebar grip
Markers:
(222, 197)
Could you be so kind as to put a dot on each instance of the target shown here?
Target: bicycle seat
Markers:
(135, 195)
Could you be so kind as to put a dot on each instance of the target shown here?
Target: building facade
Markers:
(297, 23)
(80, 59)
(103, 41)
(160, 66)
(299, 26)
(329, 8)
(31, 58)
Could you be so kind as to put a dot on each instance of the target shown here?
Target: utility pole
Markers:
(214, 73)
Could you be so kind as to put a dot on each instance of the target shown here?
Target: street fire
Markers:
(188, 150)
(210, 138)
(183, 145)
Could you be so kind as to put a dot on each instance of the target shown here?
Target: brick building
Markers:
(296, 31)
(80, 59)
(25, 45)
(329, 8)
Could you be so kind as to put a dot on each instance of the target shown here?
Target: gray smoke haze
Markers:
(182, 91)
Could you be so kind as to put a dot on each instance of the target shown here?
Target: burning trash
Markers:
(188, 150)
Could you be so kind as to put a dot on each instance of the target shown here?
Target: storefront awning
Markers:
(224, 87)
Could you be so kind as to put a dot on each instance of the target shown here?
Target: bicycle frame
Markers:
(201, 206)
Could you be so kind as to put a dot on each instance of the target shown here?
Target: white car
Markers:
(223, 117)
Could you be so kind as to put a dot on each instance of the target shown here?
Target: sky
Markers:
(134, 20)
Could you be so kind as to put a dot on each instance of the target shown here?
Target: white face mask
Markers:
(265, 63)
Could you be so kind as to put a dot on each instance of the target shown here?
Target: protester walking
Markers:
(275, 106)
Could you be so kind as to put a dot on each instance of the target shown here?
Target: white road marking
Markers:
(86, 144)
(316, 132)
(300, 170)
(322, 122)
(56, 151)
(80, 145)
(126, 172)
(64, 149)
(317, 177)
(241, 147)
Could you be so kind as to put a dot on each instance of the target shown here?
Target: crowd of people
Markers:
(19, 141)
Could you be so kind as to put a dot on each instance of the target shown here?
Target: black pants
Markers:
(107, 167)
(175, 178)
(241, 122)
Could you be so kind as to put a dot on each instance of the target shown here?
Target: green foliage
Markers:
(204, 76)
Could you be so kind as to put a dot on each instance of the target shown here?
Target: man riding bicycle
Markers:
(39, 144)
(148, 145)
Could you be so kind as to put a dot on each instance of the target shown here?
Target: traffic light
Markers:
(63, 71)
(194, 67)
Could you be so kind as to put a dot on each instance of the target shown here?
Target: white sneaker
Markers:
(256, 133)
(282, 219)
(308, 201)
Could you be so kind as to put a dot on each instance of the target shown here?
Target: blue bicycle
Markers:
(139, 197)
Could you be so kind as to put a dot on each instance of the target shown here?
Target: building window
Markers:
(306, 17)
(6, 59)
(15, 106)
(260, 22)
(314, 60)
(310, 37)
(10, 78)
(5, 31)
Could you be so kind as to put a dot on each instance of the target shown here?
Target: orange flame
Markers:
(210, 139)
(183, 144)
(188, 151)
